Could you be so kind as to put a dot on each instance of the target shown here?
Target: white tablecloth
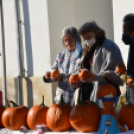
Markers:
(7, 131)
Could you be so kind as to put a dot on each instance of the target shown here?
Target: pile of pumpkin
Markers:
(59, 117)
(84, 117)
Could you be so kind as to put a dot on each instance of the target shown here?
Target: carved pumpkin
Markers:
(120, 68)
(85, 117)
(84, 74)
(129, 81)
(106, 89)
(2, 108)
(37, 115)
(74, 78)
(126, 116)
(54, 73)
(14, 118)
(57, 117)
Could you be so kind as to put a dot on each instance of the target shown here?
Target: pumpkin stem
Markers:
(61, 102)
(7, 104)
(42, 103)
(94, 103)
(14, 104)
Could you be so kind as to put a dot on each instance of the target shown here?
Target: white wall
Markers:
(63, 13)
(11, 39)
(35, 33)
(120, 9)
(39, 26)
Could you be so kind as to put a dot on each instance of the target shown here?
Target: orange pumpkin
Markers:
(84, 74)
(85, 117)
(57, 117)
(120, 68)
(37, 115)
(55, 72)
(129, 82)
(14, 118)
(2, 108)
(74, 78)
(106, 89)
(126, 116)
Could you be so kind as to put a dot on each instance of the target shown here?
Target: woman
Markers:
(67, 62)
(101, 55)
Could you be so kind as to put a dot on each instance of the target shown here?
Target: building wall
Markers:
(11, 39)
(42, 23)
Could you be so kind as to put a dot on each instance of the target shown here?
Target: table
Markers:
(7, 131)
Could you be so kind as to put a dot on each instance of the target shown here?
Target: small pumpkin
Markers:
(126, 116)
(85, 117)
(55, 72)
(106, 89)
(120, 68)
(84, 74)
(37, 115)
(14, 118)
(57, 117)
(74, 78)
(129, 81)
(2, 108)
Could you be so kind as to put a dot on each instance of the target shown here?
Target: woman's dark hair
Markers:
(128, 17)
(92, 27)
(130, 25)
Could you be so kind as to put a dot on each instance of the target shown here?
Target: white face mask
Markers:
(91, 42)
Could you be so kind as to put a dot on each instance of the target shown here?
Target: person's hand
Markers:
(75, 84)
(130, 83)
(47, 75)
(90, 79)
(57, 78)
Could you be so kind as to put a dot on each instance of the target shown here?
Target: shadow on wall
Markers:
(29, 54)
(28, 42)
(29, 92)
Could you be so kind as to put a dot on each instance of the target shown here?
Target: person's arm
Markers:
(112, 59)
(46, 77)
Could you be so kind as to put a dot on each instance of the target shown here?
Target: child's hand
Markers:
(130, 83)
(57, 78)
(47, 75)
(90, 79)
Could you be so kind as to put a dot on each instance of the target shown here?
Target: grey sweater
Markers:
(105, 59)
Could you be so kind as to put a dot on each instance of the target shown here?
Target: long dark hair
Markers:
(89, 51)
(92, 27)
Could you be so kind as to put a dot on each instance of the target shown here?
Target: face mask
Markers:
(91, 42)
(126, 39)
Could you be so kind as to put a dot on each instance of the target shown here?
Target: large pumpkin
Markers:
(37, 116)
(84, 74)
(54, 73)
(85, 117)
(14, 118)
(126, 116)
(74, 78)
(106, 89)
(2, 108)
(120, 68)
(57, 117)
